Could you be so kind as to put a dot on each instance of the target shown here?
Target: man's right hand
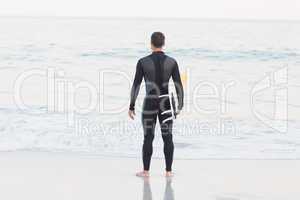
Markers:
(131, 114)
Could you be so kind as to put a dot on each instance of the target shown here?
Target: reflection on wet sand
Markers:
(147, 193)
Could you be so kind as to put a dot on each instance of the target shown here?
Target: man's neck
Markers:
(157, 50)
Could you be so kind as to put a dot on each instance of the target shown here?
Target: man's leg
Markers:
(149, 122)
(166, 131)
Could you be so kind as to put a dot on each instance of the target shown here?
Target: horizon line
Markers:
(151, 18)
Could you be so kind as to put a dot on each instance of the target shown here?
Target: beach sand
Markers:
(26, 175)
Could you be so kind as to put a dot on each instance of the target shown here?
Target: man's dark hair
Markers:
(158, 39)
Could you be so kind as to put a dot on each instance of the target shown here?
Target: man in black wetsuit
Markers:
(157, 69)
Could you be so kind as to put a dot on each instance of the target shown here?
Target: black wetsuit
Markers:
(157, 69)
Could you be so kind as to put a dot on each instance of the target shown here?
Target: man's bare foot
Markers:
(143, 174)
(169, 174)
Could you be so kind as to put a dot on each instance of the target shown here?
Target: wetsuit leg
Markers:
(166, 131)
(149, 122)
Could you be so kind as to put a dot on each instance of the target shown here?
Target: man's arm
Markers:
(178, 85)
(136, 85)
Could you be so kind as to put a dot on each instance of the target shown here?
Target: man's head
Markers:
(157, 40)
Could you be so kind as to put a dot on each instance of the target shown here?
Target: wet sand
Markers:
(70, 176)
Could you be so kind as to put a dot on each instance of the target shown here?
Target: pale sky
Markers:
(234, 9)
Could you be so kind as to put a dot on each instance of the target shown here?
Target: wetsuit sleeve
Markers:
(136, 85)
(178, 85)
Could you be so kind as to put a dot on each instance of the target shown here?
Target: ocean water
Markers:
(240, 78)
